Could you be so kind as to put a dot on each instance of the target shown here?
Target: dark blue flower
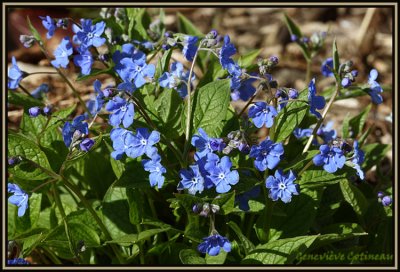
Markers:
(189, 47)
(84, 60)
(262, 114)
(127, 51)
(156, 170)
(202, 143)
(222, 176)
(122, 112)
(19, 198)
(243, 199)
(331, 158)
(15, 75)
(267, 154)
(90, 35)
(136, 69)
(145, 44)
(301, 133)
(282, 186)
(240, 89)
(38, 92)
(293, 93)
(176, 79)
(210, 160)
(327, 67)
(217, 144)
(86, 144)
(69, 129)
(142, 143)
(358, 159)
(17, 261)
(63, 51)
(191, 179)
(34, 111)
(316, 102)
(386, 201)
(49, 24)
(374, 87)
(212, 245)
(226, 52)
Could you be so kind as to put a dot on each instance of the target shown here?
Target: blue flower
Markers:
(122, 111)
(15, 75)
(375, 88)
(327, 67)
(122, 142)
(189, 47)
(240, 89)
(49, 24)
(191, 179)
(301, 133)
(282, 186)
(127, 51)
(222, 176)
(331, 158)
(63, 51)
(146, 44)
(90, 35)
(210, 160)
(38, 92)
(202, 143)
(267, 154)
(213, 244)
(156, 170)
(17, 261)
(358, 159)
(243, 199)
(86, 144)
(136, 69)
(142, 143)
(69, 129)
(326, 132)
(316, 102)
(20, 198)
(262, 114)
(386, 201)
(176, 79)
(84, 60)
(227, 50)
(34, 111)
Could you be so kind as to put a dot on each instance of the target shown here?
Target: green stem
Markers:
(319, 123)
(103, 228)
(308, 73)
(51, 255)
(43, 72)
(25, 90)
(305, 167)
(189, 108)
(141, 253)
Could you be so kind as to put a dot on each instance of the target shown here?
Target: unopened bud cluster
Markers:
(204, 209)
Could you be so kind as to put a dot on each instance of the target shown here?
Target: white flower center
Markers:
(221, 176)
(282, 186)
(195, 180)
(143, 141)
(123, 108)
(90, 35)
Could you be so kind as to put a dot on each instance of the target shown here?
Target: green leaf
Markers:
(315, 177)
(289, 118)
(139, 21)
(33, 30)
(59, 241)
(31, 216)
(115, 215)
(130, 239)
(133, 176)
(345, 126)
(211, 104)
(135, 200)
(163, 63)
(225, 202)
(338, 232)
(20, 146)
(95, 72)
(190, 256)
(169, 108)
(335, 56)
(295, 30)
(23, 100)
(356, 123)
(282, 251)
(354, 197)
(31, 242)
(374, 153)
(247, 59)
(218, 259)
(185, 26)
(245, 243)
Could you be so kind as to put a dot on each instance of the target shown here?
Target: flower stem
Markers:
(189, 108)
(308, 73)
(319, 123)
(25, 90)
(42, 72)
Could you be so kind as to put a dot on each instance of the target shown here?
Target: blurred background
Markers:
(364, 36)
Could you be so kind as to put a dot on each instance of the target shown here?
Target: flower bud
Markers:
(46, 110)
(27, 40)
(34, 111)
(293, 38)
(215, 208)
(386, 201)
(346, 82)
(13, 161)
(63, 23)
(293, 93)
(206, 210)
(86, 144)
(380, 194)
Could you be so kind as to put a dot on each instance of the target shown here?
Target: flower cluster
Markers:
(19, 198)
